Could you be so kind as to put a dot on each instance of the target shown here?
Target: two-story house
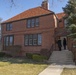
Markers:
(34, 29)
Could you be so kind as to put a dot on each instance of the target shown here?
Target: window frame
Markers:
(32, 39)
(37, 22)
(34, 22)
(5, 41)
(9, 27)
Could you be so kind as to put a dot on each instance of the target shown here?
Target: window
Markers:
(32, 22)
(60, 20)
(39, 39)
(8, 27)
(28, 23)
(8, 40)
(30, 39)
(26, 40)
(33, 39)
(37, 21)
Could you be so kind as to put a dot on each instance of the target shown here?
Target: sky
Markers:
(6, 11)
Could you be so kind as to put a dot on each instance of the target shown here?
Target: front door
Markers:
(62, 42)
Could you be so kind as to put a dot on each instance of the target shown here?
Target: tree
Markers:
(70, 10)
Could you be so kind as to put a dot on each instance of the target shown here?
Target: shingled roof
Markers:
(60, 15)
(38, 11)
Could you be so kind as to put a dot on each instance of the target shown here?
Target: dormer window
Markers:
(9, 27)
(34, 22)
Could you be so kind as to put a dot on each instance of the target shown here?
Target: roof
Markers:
(38, 11)
(60, 15)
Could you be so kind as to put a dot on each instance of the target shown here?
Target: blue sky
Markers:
(7, 12)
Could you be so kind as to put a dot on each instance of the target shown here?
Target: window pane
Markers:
(7, 41)
(30, 39)
(34, 39)
(4, 41)
(32, 22)
(7, 27)
(39, 39)
(11, 40)
(10, 27)
(26, 40)
(28, 23)
(37, 21)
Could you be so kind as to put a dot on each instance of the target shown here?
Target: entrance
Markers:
(62, 48)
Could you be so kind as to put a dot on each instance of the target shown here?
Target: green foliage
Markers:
(39, 58)
(70, 10)
(2, 54)
(70, 7)
(72, 28)
(73, 35)
(29, 55)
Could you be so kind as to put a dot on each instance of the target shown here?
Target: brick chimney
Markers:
(45, 4)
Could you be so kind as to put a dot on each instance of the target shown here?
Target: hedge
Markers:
(39, 57)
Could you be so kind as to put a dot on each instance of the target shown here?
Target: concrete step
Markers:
(65, 57)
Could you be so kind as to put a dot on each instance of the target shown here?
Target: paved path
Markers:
(52, 70)
(55, 69)
(58, 61)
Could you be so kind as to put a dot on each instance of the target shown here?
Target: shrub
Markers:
(39, 57)
(2, 54)
(29, 55)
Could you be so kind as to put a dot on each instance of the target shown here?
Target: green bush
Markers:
(29, 55)
(39, 57)
(2, 54)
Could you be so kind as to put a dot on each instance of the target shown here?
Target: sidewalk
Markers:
(52, 70)
(55, 69)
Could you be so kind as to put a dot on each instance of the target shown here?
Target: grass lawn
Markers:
(69, 71)
(18, 66)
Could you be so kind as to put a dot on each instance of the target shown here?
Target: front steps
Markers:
(61, 57)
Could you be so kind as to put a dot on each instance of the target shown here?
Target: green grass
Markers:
(18, 66)
(69, 71)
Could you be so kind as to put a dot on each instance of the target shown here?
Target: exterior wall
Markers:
(46, 28)
(61, 23)
(60, 31)
(55, 21)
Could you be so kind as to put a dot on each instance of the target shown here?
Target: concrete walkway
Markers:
(58, 61)
(52, 70)
(55, 69)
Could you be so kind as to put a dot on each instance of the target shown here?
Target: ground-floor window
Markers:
(8, 40)
(33, 39)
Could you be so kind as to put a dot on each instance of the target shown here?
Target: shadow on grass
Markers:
(13, 60)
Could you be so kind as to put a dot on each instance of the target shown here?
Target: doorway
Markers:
(62, 42)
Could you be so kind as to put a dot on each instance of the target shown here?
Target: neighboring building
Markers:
(34, 29)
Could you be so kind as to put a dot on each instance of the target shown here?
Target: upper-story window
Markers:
(37, 21)
(9, 27)
(34, 22)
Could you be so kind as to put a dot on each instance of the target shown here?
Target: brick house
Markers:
(34, 29)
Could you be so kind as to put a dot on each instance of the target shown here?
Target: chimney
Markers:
(45, 4)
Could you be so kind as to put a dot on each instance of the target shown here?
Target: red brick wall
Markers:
(46, 28)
